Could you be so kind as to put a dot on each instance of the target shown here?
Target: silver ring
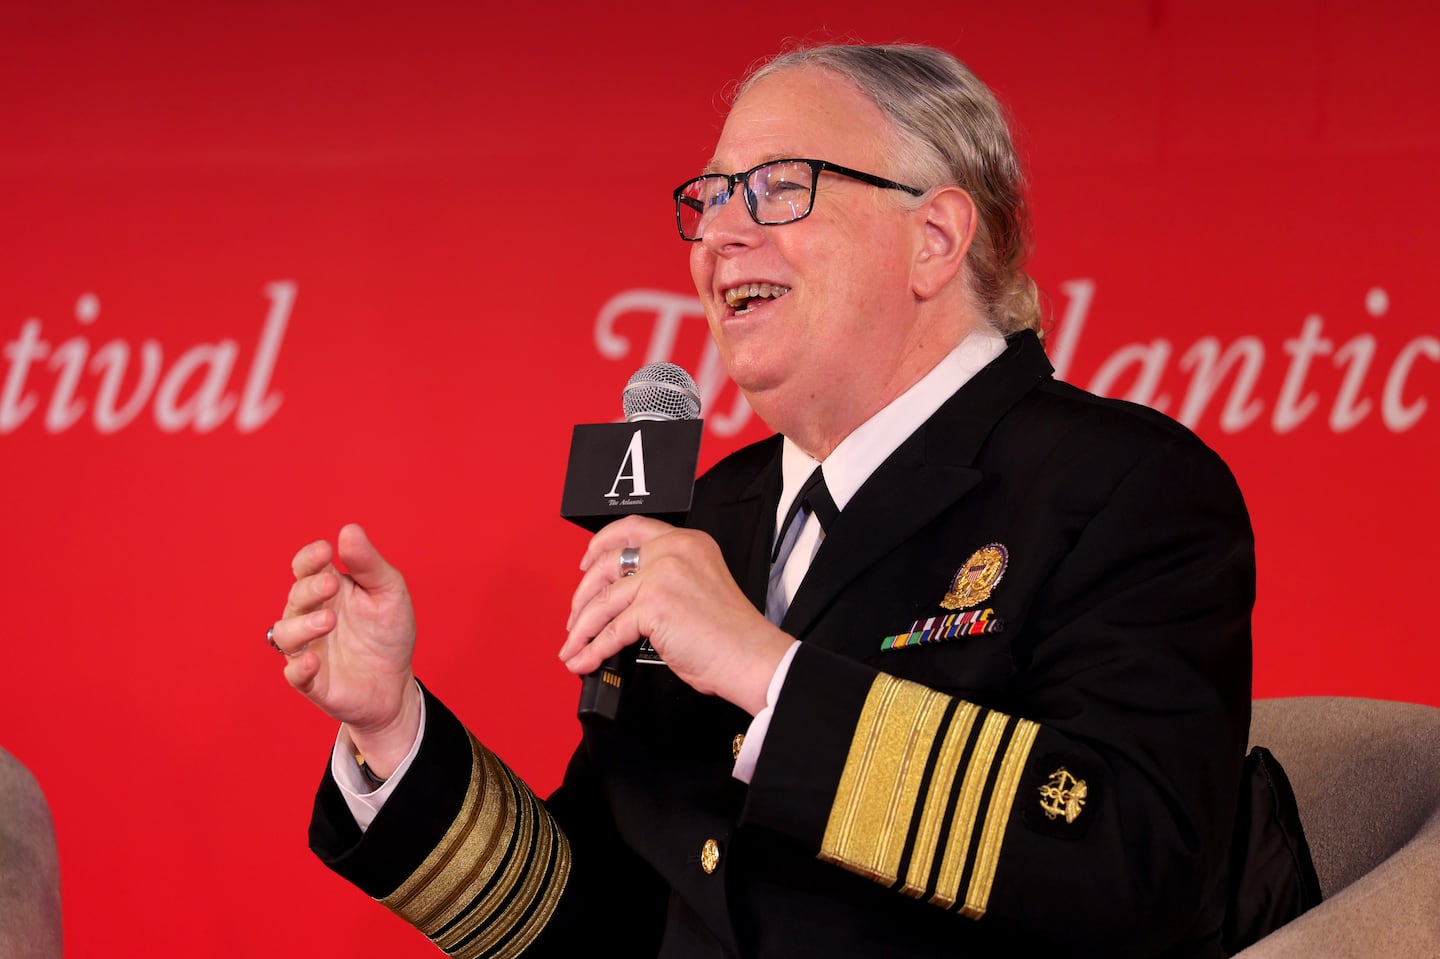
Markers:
(629, 561)
(270, 638)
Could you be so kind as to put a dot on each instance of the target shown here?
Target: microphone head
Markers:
(660, 391)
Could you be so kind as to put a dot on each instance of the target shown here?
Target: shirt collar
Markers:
(871, 443)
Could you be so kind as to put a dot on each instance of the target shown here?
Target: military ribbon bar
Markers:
(937, 629)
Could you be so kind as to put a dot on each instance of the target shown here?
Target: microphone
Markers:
(644, 466)
(660, 391)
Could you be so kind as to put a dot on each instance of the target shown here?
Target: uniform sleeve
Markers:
(469, 855)
(1095, 798)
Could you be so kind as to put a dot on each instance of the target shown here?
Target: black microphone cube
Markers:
(623, 469)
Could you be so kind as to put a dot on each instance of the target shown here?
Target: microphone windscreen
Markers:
(660, 391)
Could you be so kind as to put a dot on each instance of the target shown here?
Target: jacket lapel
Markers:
(927, 474)
(746, 527)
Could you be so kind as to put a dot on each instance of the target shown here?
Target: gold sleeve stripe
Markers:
(496, 876)
(932, 820)
(987, 856)
(501, 919)
(927, 790)
(962, 826)
(878, 788)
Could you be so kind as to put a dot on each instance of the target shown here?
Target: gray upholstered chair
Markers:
(1366, 775)
(29, 867)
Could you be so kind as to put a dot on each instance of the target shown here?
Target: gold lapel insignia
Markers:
(1063, 795)
(977, 578)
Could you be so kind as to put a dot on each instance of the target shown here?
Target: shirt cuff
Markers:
(755, 735)
(363, 801)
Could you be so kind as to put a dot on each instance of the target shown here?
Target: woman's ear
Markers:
(949, 227)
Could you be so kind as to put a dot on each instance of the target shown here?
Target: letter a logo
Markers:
(635, 457)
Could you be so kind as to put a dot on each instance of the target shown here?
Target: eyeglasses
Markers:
(777, 192)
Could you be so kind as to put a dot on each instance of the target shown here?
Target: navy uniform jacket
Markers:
(1016, 723)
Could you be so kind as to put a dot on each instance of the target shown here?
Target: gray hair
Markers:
(952, 131)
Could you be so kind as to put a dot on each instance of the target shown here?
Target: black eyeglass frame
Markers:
(752, 201)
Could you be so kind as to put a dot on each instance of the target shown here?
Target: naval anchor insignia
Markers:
(1063, 795)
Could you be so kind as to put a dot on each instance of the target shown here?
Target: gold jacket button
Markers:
(709, 856)
(735, 745)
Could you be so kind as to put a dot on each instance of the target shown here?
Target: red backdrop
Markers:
(275, 268)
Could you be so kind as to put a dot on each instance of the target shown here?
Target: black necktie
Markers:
(815, 497)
